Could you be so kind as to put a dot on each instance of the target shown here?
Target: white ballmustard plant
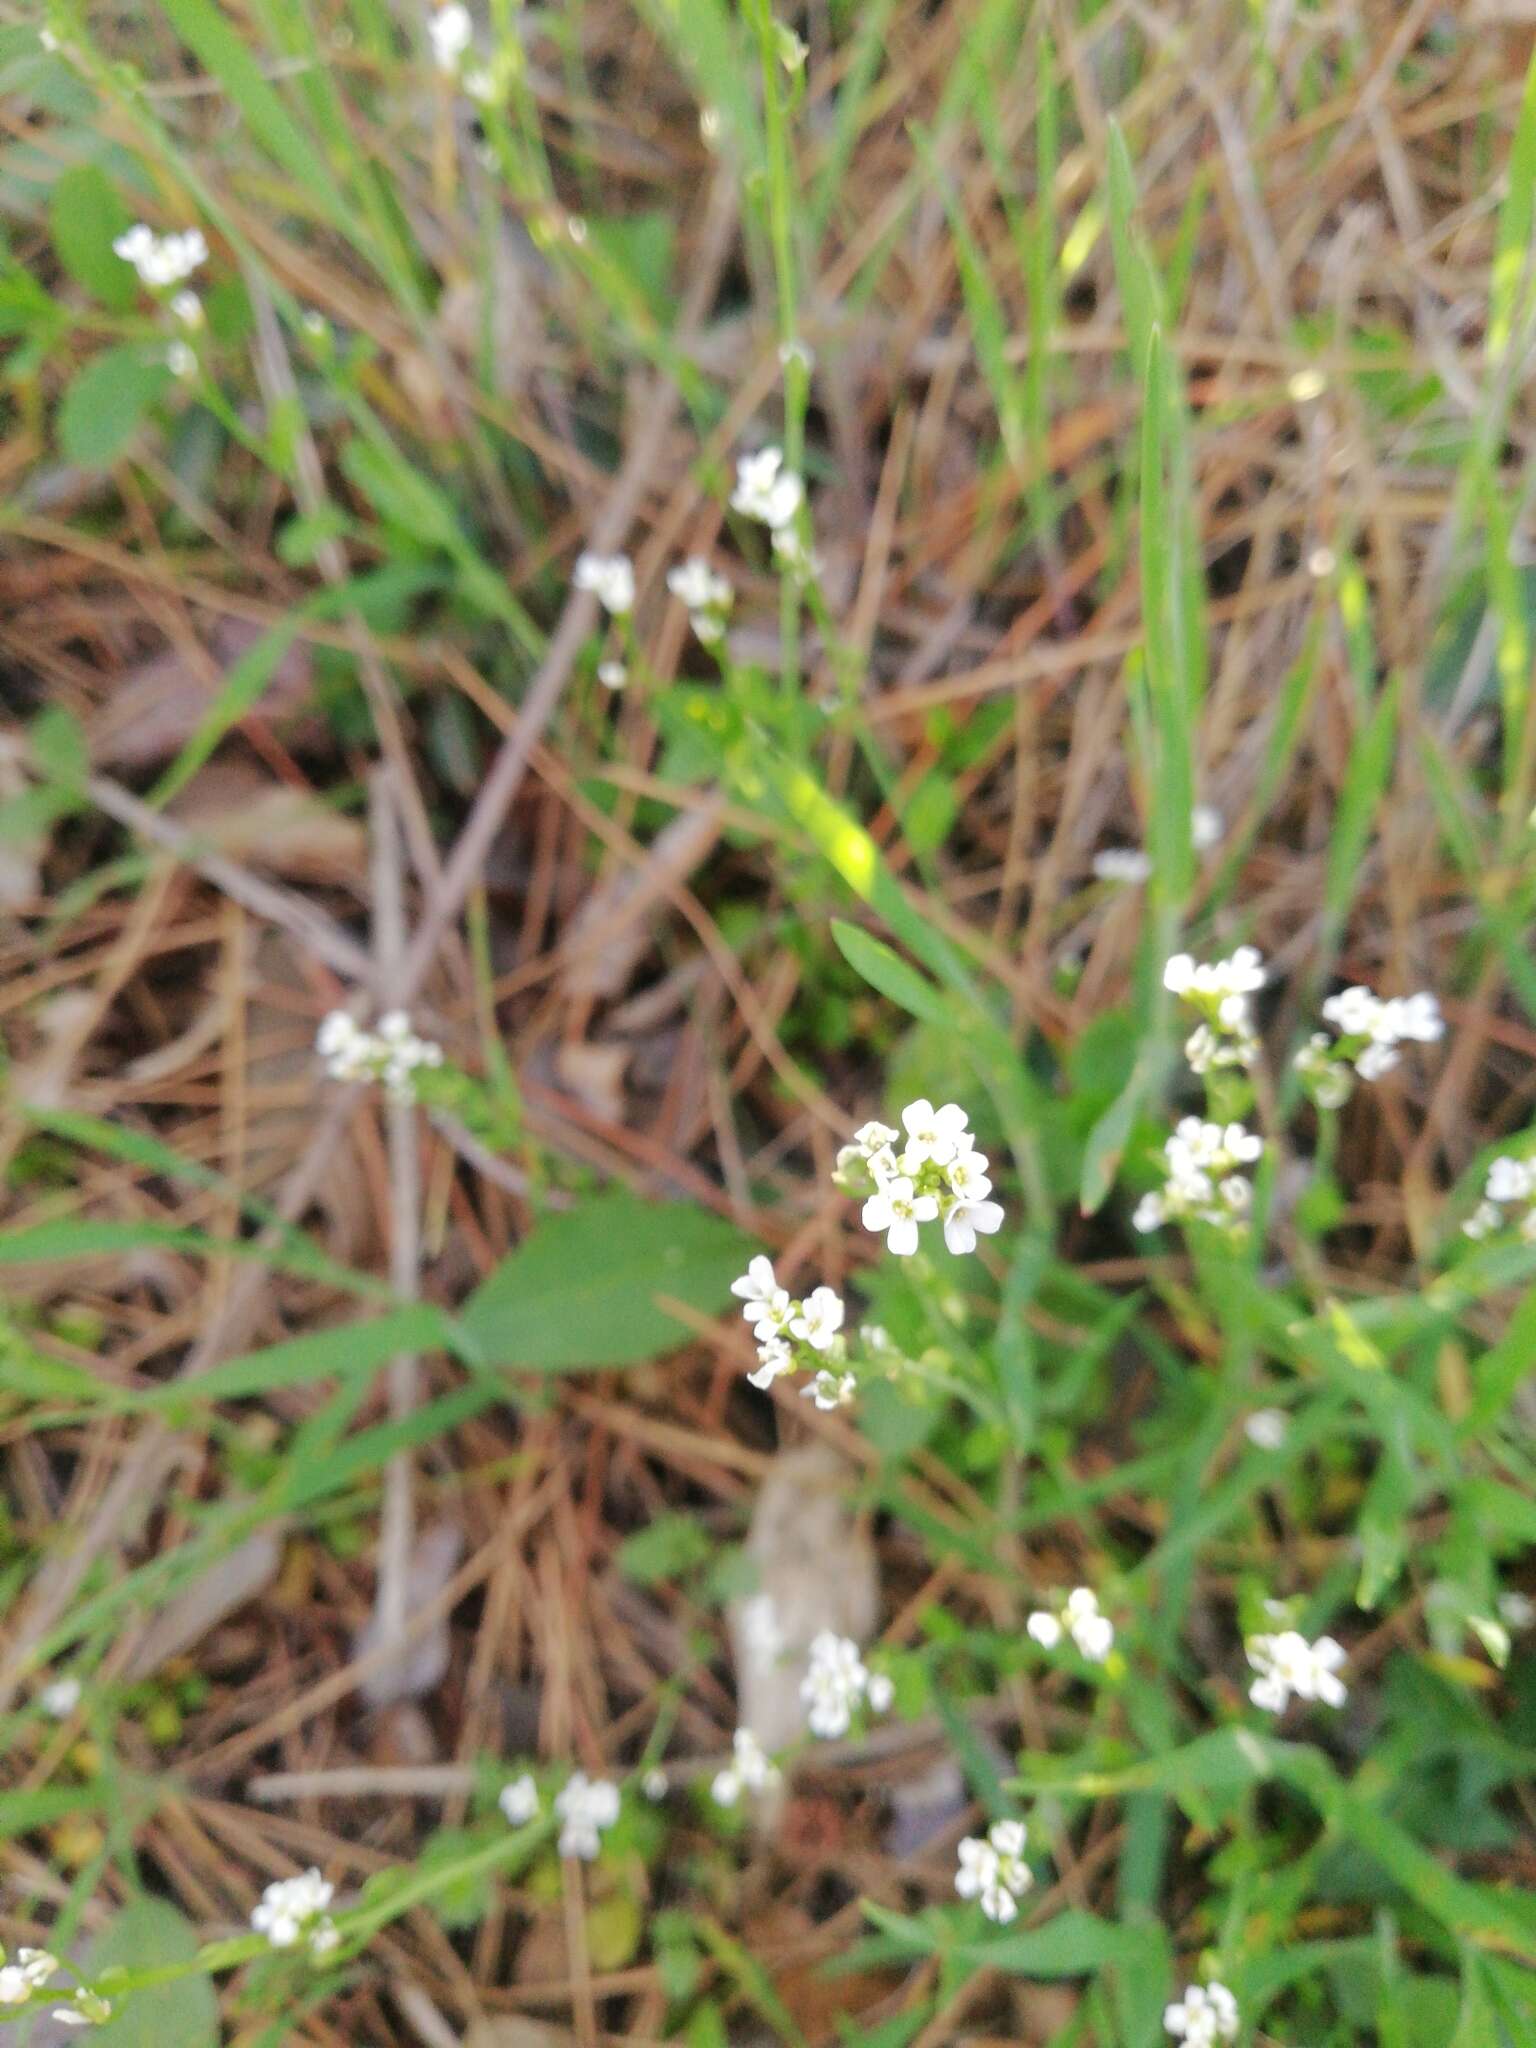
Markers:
(1509, 1200)
(766, 491)
(706, 595)
(1201, 1178)
(1203, 2016)
(993, 1871)
(928, 1171)
(1219, 992)
(391, 1054)
(519, 1801)
(30, 1972)
(751, 1769)
(610, 579)
(587, 1807)
(161, 260)
(1287, 1664)
(1076, 1616)
(1371, 1030)
(791, 1334)
(450, 31)
(293, 1911)
(837, 1683)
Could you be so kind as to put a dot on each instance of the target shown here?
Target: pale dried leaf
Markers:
(594, 1074)
(155, 709)
(238, 811)
(199, 1608)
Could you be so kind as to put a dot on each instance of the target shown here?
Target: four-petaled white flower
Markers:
(586, 1806)
(936, 1134)
(963, 1222)
(765, 490)
(897, 1209)
(707, 596)
(1203, 2016)
(1511, 1185)
(1288, 1664)
(60, 1699)
(819, 1320)
(30, 1971)
(751, 1769)
(774, 1356)
(293, 1910)
(610, 578)
(993, 1870)
(762, 1299)
(519, 1801)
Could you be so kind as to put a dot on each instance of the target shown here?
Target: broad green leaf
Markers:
(106, 402)
(147, 1934)
(586, 1290)
(85, 217)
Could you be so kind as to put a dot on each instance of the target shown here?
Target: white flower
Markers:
(830, 1390)
(879, 1692)
(966, 1176)
(180, 359)
(655, 1784)
(757, 1289)
(450, 32)
(188, 309)
(48, 39)
(774, 1356)
(1267, 1428)
(1205, 826)
(391, 1054)
(60, 1699)
(1511, 1180)
(1287, 1663)
(897, 1209)
(819, 1320)
(962, 1223)
(833, 1684)
(1517, 1610)
(751, 1769)
(292, 1910)
(161, 260)
(1219, 982)
(1077, 1616)
(1122, 864)
(1511, 1183)
(993, 1870)
(936, 1134)
(586, 1806)
(610, 578)
(1324, 1075)
(613, 675)
(694, 584)
(519, 1801)
(1356, 1013)
(791, 553)
(1203, 2016)
(765, 490)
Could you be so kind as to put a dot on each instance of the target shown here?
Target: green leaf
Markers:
(106, 402)
(85, 217)
(586, 1290)
(664, 1549)
(147, 1934)
(886, 971)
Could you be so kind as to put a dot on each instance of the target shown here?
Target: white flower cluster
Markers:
(161, 260)
(792, 1333)
(1129, 864)
(993, 1870)
(293, 1910)
(1287, 1663)
(519, 1801)
(751, 1769)
(937, 1175)
(1202, 1181)
(586, 1806)
(1371, 1029)
(450, 32)
(1204, 2016)
(706, 595)
(611, 580)
(30, 1972)
(766, 491)
(1219, 991)
(835, 1683)
(1511, 1185)
(391, 1054)
(1077, 1616)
